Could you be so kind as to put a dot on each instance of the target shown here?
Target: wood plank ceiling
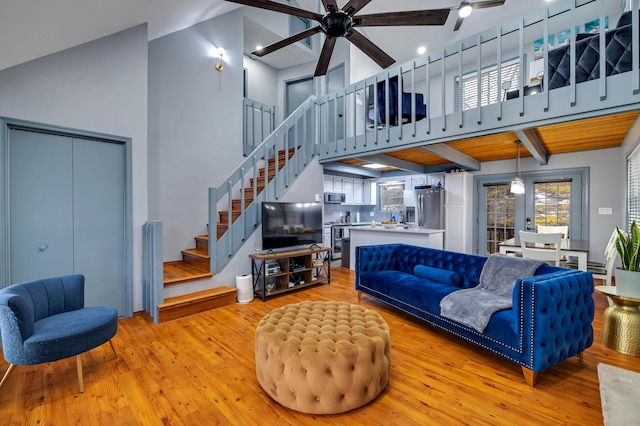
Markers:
(581, 135)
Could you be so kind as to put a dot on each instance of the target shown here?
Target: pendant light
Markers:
(517, 184)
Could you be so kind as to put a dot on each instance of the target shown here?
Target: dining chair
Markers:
(549, 229)
(541, 246)
(601, 270)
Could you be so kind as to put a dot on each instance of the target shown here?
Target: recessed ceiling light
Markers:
(422, 50)
(374, 166)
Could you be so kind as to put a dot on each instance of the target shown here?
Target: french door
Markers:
(556, 198)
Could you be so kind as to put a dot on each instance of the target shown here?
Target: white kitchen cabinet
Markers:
(458, 212)
(358, 195)
(416, 180)
(368, 192)
(337, 184)
(326, 236)
(327, 182)
(347, 188)
(435, 179)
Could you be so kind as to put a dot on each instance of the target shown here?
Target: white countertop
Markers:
(397, 229)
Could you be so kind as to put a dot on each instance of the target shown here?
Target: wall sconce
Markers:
(517, 184)
(219, 52)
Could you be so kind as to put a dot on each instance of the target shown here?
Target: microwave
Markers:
(334, 197)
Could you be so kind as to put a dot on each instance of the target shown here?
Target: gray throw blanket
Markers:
(474, 306)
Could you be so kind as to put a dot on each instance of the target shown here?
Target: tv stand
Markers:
(277, 273)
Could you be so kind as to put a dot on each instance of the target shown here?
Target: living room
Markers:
(173, 109)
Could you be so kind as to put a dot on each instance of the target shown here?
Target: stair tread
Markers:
(180, 272)
(196, 252)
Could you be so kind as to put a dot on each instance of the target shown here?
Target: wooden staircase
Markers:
(195, 263)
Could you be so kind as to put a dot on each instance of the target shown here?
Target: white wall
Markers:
(195, 125)
(262, 83)
(100, 86)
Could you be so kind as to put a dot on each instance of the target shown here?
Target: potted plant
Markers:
(628, 276)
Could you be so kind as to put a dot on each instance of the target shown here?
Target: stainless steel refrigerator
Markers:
(429, 207)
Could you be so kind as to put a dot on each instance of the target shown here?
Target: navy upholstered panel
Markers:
(392, 103)
(587, 64)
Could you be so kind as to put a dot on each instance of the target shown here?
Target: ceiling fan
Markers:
(466, 7)
(337, 23)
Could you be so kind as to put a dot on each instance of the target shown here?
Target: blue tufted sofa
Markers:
(587, 65)
(549, 322)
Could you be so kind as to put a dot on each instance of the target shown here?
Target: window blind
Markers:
(633, 179)
(489, 89)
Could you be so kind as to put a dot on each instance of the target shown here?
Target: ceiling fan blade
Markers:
(287, 41)
(458, 23)
(488, 3)
(330, 5)
(370, 49)
(353, 6)
(325, 57)
(279, 7)
(410, 18)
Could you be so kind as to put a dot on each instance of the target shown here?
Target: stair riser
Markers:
(195, 261)
(220, 230)
(169, 311)
(202, 244)
(224, 216)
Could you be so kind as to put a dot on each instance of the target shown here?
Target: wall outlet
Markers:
(371, 214)
(605, 210)
(318, 198)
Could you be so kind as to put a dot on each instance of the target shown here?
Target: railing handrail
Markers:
(239, 230)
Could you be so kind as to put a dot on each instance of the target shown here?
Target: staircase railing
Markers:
(152, 268)
(296, 134)
(259, 121)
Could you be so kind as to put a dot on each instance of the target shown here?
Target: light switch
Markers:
(605, 210)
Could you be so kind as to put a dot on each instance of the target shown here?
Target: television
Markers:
(287, 225)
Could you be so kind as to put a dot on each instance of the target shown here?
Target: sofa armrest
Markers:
(556, 312)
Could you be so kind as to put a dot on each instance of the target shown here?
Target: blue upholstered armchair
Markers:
(45, 320)
(392, 103)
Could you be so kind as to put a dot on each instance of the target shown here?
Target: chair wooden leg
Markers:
(6, 375)
(79, 368)
(530, 376)
(113, 348)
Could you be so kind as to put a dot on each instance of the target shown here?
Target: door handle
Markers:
(43, 247)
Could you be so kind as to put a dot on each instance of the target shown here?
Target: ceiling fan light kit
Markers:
(465, 10)
(517, 184)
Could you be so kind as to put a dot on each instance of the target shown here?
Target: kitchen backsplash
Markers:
(334, 213)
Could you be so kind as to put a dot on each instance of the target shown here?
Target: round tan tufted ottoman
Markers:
(322, 357)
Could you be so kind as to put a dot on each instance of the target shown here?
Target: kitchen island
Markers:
(366, 236)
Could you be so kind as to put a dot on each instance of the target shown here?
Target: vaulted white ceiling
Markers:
(30, 29)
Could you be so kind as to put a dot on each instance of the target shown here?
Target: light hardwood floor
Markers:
(200, 370)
